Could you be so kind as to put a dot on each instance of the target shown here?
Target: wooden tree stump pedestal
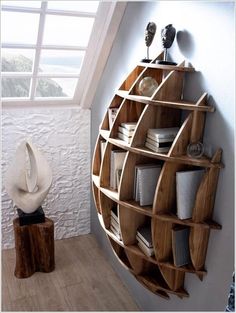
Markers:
(34, 245)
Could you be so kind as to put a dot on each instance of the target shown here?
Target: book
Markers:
(145, 249)
(159, 133)
(136, 193)
(124, 137)
(180, 245)
(102, 147)
(187, 183)
(116, 233)
(144, 234)
(114, 213)
(125, 131)
(116, 162)
(160, 144)
(129, 125)
(112, 112)
(156, 149)
(115, 224)
(147, 180)
(159, 140)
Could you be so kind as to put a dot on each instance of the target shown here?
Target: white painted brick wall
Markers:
(63, 135)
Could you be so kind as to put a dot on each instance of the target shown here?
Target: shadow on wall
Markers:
(185, 42)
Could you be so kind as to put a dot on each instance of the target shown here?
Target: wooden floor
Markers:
(82, 281)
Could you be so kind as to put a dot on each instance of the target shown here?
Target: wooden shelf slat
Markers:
(133, 205)
(167, 67)
(112, 194)
(104, 133)
(202, 162)
(184, 105)
(181, 292)
(95, 179)
(188, 222)
(135, 249)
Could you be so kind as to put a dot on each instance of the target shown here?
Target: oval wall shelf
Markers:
(165, 108)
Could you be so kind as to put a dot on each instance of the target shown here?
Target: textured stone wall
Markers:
(63, 135)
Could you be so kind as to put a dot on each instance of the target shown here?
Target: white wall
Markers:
(63, 135)
(206, 39)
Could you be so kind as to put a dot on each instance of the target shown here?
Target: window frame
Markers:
(101, 23)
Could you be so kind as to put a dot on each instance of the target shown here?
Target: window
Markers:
(43, 48)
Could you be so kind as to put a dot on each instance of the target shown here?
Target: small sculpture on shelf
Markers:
(149, 35)
(147, 86)
(27, 182)
(168, 37)
(195, 150)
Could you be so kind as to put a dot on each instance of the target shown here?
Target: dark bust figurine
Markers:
(149, 35)
(167, 37)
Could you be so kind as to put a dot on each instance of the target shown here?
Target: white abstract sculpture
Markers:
(29, 178)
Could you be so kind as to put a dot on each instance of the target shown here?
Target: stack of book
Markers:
(112, 112)
(126, 131)
(160, 139)
(145, 182)
(116, 165)
(144, 238)
(115, 227)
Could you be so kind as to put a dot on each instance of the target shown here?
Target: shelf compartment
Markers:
(132, 77)
(129, 223)
(205, 197)
(115, 103)
(97, 157)
(153, 285)
(162, 241)
(171, 87)
(129, 112)
(127, 182)
(96, 197)
(155, 117)
(139, 265)
(181, 104)
(135, 249)
(106, 205)
(198, 242)
(184, 159)
(157, 74)
(106, 166)
(120, 253)
(147, 210)
(174, 278)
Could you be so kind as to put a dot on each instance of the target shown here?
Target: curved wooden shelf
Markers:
(184, 105)
(163, 109)
(167, 67)
(135, 250)
(202, 162)
(147, 210)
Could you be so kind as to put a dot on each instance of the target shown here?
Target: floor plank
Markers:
(83, 280)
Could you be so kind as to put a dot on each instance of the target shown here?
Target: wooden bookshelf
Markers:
(166, 108)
